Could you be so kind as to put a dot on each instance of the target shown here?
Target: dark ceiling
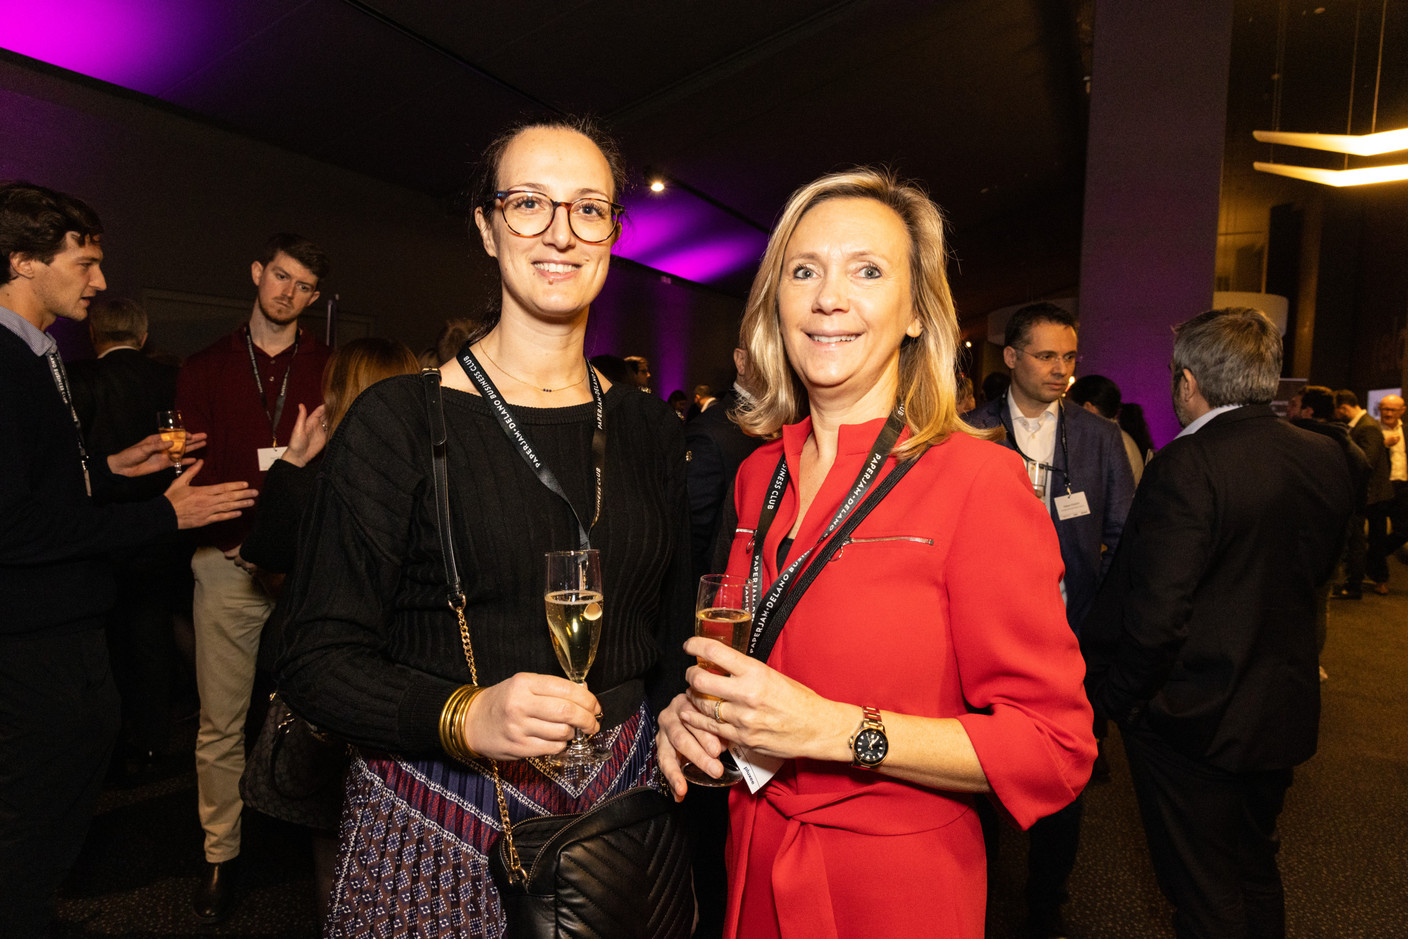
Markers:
(984, 101)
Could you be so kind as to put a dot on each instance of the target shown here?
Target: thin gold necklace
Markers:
(528, 383)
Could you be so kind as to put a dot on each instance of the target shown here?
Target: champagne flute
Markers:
(723, 611)
(173, 434)
(573, 601)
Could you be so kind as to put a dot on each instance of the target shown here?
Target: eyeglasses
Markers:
(1051, 358)
(529, 214)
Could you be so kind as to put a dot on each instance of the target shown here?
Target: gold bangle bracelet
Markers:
(452, 736)
(452, 720)
(460, 729)
(449, 721)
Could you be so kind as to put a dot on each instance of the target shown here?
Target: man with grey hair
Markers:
(1201, 644)
(117, 397)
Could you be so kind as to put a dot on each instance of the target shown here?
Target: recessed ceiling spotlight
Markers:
(657, 185)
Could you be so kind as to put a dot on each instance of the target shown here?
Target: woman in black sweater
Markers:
(374, 654)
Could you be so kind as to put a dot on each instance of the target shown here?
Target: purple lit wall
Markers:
(1153, 172)
(675, 232)
(687, 332)
(81, 139)
(145, 45)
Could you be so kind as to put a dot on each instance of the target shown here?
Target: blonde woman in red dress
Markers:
(929, 665)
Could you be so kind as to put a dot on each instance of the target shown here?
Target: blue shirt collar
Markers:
(39, 342)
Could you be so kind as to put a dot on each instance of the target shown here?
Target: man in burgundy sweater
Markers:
(245, 392)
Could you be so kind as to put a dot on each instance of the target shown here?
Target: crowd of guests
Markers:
(907, 710)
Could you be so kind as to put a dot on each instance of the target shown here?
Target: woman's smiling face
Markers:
(554, 275)
(845, 298)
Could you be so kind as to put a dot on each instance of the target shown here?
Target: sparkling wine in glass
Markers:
(173, 434)
(573, 601)
(723, 611)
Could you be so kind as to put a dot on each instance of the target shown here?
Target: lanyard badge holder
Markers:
(777, 604)
(270, 454)
(1071, 505)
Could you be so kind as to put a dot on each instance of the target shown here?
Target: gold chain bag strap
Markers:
(620, 869)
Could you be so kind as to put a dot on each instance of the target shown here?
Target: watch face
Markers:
(871, 747)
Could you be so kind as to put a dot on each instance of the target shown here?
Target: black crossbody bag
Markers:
(620, 869)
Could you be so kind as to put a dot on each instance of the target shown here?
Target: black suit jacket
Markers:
(1204, 630)
(117, 398)
(716, 448)
(1098, 467)
(1370, 436)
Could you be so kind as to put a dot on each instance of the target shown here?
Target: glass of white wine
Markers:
(573, 601)
(173, 434)
(723, 611)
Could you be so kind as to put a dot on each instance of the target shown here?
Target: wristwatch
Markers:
(869, 745)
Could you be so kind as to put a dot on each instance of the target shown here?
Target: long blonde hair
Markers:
(355, 367)
(927, 380)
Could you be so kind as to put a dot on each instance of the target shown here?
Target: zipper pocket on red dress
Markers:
(853, 540)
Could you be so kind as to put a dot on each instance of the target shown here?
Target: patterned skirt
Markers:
(414, 846)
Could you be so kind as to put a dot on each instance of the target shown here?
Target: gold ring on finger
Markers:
(717, 716)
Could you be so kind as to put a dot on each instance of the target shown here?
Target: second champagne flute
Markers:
(723, 611)
(173, 434)
(573, 601)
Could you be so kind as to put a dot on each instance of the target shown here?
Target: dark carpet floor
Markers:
(1344, 855)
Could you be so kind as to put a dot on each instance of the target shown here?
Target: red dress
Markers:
(945, 604)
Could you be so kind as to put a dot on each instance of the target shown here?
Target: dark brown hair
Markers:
(35, 222)
(485, 182)
(300, 249)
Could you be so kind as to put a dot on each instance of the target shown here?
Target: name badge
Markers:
(756, 770)
(1071, 506)
(268, 456)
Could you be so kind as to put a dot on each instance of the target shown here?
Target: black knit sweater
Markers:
(372, 652)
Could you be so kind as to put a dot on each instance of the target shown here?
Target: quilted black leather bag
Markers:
(620, 870)
(295, 772)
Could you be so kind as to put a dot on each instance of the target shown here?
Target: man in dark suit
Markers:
(58, 708)
(1313, 409)
(1077, 463)
(118, 394)
(117, 397)
(1365, 431)
(1201, 644)
(716, 448)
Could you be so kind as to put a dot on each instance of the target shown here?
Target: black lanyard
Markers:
(525, 449)
(767, 606)
(56, 368)
(259, 383)
(1005, 416)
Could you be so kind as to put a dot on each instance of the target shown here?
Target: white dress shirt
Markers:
(1035, 437)
(1398, 464)
(1197, 425)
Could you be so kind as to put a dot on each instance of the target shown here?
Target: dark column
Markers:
(1283, 275)
(1153, 171)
